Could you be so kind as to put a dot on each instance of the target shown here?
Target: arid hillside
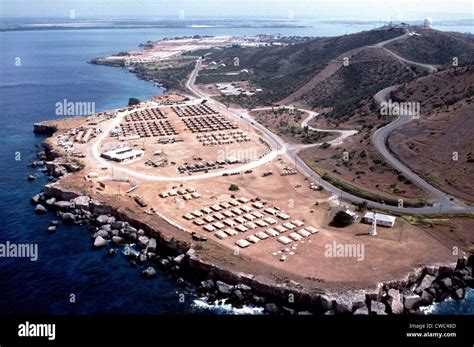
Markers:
(282, 70)
(368, 71)
(440, 145)
(435, 47)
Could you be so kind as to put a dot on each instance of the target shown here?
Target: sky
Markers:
(398, 10)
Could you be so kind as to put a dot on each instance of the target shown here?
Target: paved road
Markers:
(280, 148)
(444, 204)
(380, 142)
(311, 114)
(430, 68)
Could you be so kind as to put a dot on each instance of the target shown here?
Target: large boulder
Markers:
(271, 308)
(326, 302)
(68, 217)
(117, 240)
(445, 271)
(237, 297)
(395, 301)
(375, 293)
(97, 207)
(82, 202)
(244, 289)
(36, 199)
(207, 285)
(118, 225)
(143, 241)
(425, 283)
(412, 301)
(432, 270)
(102, 219)
(348, 303)
(179, 259)
(40, 209)
(151, 245)
(446, 283)
(99, 242)
(441, 295)
(50, 202)
(426, 298)
(362, 311)
(223, 288)
(62, 205)
(101, 233)
(149, 272)
(377, 307)
(458, 294)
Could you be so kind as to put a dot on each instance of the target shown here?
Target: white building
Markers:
(353, 215)
(428, 23)
(123, 154)
(383, 220)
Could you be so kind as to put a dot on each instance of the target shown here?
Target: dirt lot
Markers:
(406, 245)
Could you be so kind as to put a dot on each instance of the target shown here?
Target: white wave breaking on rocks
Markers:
(221, 307)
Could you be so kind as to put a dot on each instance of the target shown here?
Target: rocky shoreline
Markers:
(113, 229)
(142, 75)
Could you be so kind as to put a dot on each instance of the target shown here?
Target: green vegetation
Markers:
(170, 77)
(281, 70)
(341, 220)
(351, 189)
(209, 78)
(325, 145)
(233, 187)
(435, 47)
(426, 221)
(133, 101)
(305, 136)
(368, 72)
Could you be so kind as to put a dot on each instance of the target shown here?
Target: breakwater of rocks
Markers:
(112, 230)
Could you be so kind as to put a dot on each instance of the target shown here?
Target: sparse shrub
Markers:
(133, 101)
(233, 187)
(341, 220)
(325, 145)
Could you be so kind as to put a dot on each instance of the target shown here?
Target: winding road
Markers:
(311, 114)
(445, 202)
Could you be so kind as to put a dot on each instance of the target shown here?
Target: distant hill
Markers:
(370, 70)
(435, 47)
(280, 71)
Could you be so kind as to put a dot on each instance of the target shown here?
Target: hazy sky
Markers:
(317, 9)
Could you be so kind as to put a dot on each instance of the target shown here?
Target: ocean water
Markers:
(53, 68)
(451, 307)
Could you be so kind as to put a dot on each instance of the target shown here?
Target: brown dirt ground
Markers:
(407, 245)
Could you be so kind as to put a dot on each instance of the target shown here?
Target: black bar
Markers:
(222, 330)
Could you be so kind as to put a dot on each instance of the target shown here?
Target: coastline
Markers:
(215, 279)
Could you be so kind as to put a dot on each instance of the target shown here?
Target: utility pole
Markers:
(373, 231)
